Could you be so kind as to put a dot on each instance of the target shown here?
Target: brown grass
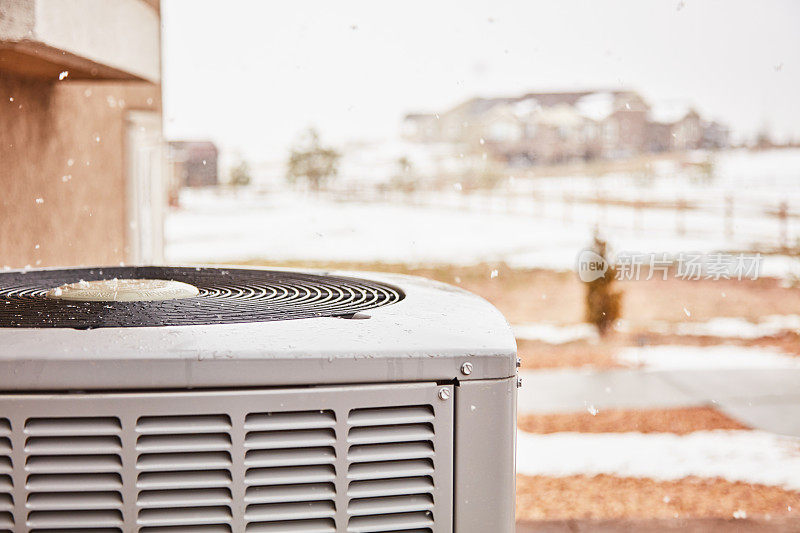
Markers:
(787, 341)
(537, 355)
(608, 497)
(678, 421)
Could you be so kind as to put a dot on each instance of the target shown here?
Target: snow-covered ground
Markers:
(542, 222)
(673, 357)
(732, 327)
(722, 327)
(748, 456)
(554, 333)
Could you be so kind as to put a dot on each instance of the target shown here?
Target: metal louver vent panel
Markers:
(391, 465)
(328, 459)
(184, 470)
(6, 484)
(291, 454)
(73, 469)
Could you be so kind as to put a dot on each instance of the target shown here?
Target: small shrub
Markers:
(603, 303)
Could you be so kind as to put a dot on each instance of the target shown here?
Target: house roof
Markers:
(596, 106)
(478, 106)
(671, 111)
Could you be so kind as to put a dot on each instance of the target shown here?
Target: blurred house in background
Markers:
(80, 132)
(193, 163)
(546, 128)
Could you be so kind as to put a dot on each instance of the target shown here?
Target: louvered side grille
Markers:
(6, 479)
(73, 473)
(290, 461)
(183, 466)
(391, 464)
(325, 460)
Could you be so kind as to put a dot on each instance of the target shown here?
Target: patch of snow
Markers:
(669, 111)
(723, 327)
(526, 107)
(674, 357)
(596, 106)
(553, 333)
(740, 328)
(747, 456)
(780, 266)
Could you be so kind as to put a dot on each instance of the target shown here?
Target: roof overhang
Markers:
(89, 39)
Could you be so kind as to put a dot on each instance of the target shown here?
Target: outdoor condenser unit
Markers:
(159, 399)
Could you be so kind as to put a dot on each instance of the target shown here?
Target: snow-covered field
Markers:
(721, 327)
(669, 357)
(534, 222)
(748, 456)
(554, 333)
(732, 327)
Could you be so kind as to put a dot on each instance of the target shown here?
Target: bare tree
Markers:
(240, 174)
(312, 162)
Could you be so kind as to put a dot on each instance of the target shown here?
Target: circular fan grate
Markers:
(225, 296)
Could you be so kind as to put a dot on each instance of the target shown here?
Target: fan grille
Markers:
(226, 296)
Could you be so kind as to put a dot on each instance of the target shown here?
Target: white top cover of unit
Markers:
(428, 335)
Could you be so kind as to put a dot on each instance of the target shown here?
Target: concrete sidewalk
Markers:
(764, 399)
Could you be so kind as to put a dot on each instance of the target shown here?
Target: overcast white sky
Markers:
(252, 74)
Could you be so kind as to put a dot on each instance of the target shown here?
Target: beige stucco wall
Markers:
(64, 143)
(79, 218)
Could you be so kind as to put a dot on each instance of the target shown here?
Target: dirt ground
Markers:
(679, 421)
(604, 496)
(599, 353)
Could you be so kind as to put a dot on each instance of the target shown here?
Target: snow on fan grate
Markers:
(225, 296)
(390, 468)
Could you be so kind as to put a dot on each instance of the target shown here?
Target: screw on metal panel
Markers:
(519, 383)
(466, 369)
(519, 362)
(444, 394)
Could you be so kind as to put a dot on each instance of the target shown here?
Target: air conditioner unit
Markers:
(160, 399)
